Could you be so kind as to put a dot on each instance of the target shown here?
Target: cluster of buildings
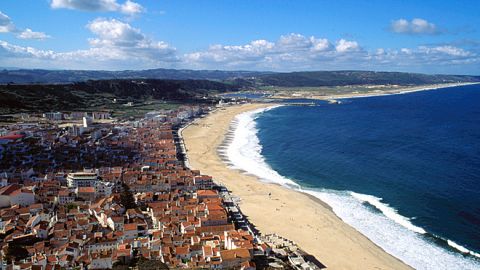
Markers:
(58, 116)
(96, 202)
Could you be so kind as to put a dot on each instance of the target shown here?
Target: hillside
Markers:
(69, 76)
(341, 78)
(93, 93)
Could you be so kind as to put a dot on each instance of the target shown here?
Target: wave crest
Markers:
(388, 211)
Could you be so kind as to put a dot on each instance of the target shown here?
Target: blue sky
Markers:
(418, 36)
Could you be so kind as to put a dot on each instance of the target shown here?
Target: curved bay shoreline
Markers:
(298, 216)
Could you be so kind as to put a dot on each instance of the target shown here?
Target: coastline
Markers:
(398, 91)
(303, 218)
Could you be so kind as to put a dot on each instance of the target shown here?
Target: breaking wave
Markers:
(377, 220)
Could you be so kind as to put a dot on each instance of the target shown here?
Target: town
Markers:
(85, 191)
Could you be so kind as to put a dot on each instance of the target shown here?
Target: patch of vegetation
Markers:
(97, 94)
(342, 78)
(126, 197)
(69, 76)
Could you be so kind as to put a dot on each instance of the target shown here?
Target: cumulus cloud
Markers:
(115, 44)
(292, 50)
(415, 26)
(118, 45)
(29, 34)
(6, 24)
(346, 46)
(297, 52)
(129, 7)
(422, 57)
(114, 35)
(448, 50)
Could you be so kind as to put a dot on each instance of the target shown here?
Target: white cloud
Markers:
(10, 50)
(115, 45)
(114, 33)
(415, 26)
(400, 26)
(320, 45)
(117, 36)
(263, 54)
(29, 34)
(448, 50)
(427, 57)
(6, 24)
(346, 46)
(118, 45)
(406, 51)
(296, 52)
(292, 51)
(129, 7)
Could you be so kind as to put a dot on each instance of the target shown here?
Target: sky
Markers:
(276, 35)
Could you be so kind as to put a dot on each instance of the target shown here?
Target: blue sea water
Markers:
(402, 169)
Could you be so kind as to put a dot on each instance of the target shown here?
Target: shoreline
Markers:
(399, 91)
(312, 225)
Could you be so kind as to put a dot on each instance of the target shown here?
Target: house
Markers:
(41, 230)
(116, 223)
(206, 194)
(130, 230)
(203, 182)
(231, 258)
(104, 189)
(86, 193)
(65, 197)
(101, 260)
(16, 194)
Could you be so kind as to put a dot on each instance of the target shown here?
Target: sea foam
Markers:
(244, 150)
(387, 228)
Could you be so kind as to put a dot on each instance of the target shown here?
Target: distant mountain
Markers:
(339, 78)
(240, 78)
(39, 76)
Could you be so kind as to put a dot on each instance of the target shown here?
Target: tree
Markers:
(126, 197)
(145, 264)
(71, 206)
(15, 252)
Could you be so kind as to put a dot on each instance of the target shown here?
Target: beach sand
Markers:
(306, 220)
(379, 92)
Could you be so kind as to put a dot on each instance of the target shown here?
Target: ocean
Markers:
(404, 170)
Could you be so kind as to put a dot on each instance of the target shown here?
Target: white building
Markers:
(100, 115)
(16, 194)
(55, 116)
(82, 179)
(3, 179)
(87, 121)
(101, 261)
(104, 189)
(65, 197)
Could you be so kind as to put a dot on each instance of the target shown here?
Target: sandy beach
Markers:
(294, 215)
(373, 93)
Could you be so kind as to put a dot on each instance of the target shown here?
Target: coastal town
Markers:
(86, 191)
